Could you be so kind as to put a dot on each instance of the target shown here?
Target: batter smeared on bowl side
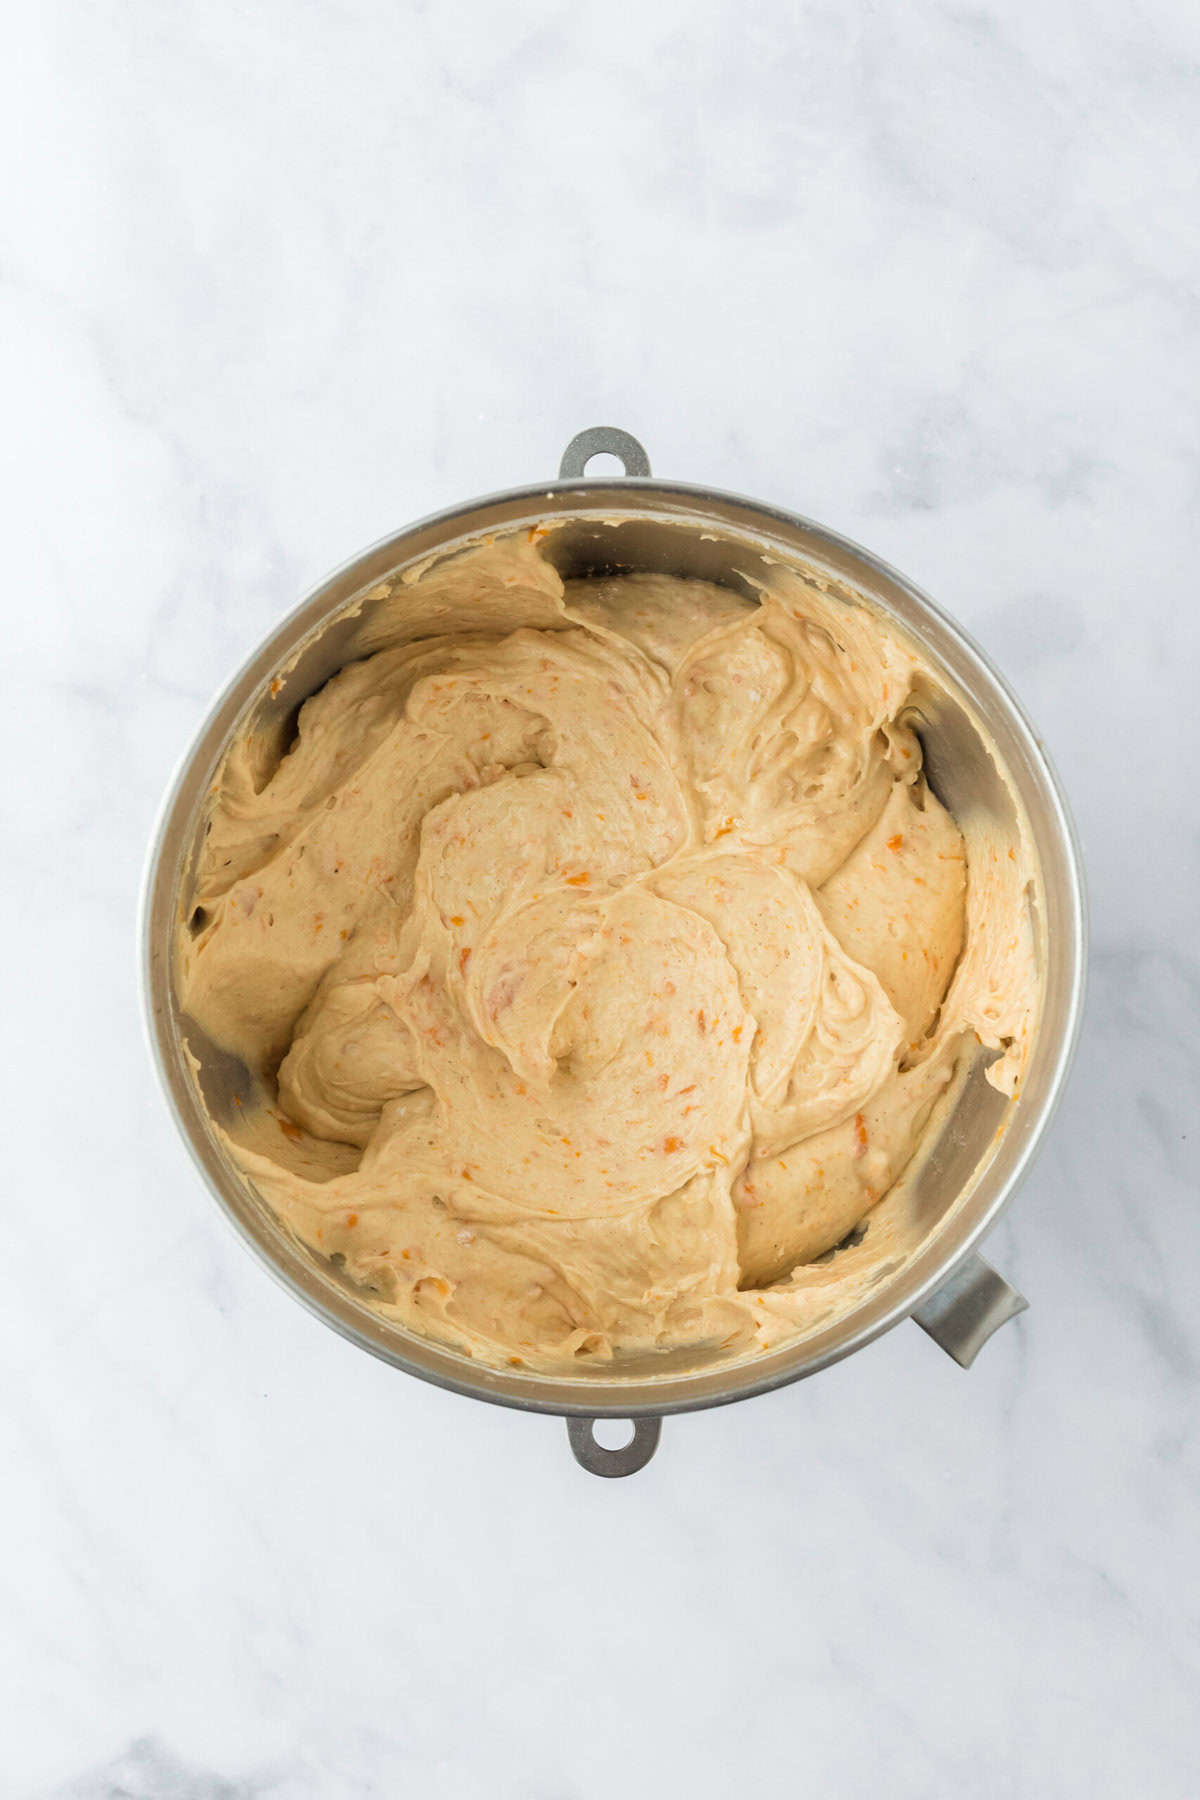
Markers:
(601, 958)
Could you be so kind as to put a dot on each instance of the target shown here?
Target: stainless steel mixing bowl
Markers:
(980, 753)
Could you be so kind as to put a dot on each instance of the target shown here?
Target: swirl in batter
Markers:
(601, 958)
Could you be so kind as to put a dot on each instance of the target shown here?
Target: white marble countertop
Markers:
(276, 280)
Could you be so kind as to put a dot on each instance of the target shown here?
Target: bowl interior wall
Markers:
(979, 757)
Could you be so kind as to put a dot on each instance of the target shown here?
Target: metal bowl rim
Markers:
(607, 1401)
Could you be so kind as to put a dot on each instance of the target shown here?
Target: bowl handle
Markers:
(602, 440)
(598, 1460)
(962, 1315)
